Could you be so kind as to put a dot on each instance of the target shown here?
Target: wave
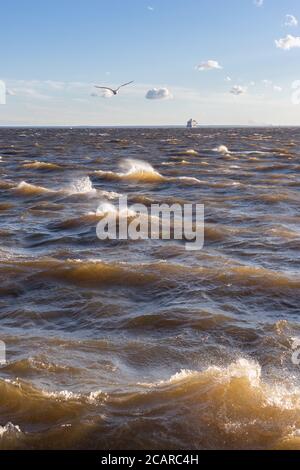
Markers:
(175, 319)
(81, 186)
(9, 428)
(222, 149)
(91, 398)
(10, 435)
(266, 278)
(230, 406)
(4, 206)
(255, 152)
(283, 232)
(19, 390)
(140, 171)
(109, 194)
(135, 170)
(42, 166)
(78, 186)
(108, 208)
(6, 184)
(31, 189)
(179, 162)
(96, 272)
(26, 366)
(87, 273)
(279, 197)
(187, 152)
(26, 401)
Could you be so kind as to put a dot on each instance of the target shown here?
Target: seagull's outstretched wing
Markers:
(104, 88)
(124, 84)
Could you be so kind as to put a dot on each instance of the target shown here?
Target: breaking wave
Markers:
(78, 186)
(81, 186)
(219, 407)
(233, 407)
(222, 149)
(31, 189)
(134, 170)
(140, 171)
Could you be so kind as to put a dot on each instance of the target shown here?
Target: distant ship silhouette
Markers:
(191, 123)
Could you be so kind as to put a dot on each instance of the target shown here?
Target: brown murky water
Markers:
(127, 345)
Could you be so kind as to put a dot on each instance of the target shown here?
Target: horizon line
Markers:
(133, 126)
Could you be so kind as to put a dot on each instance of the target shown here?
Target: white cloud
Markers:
(288, 42)
(258, 3)
(290, 20)
(158, 94)
(150, 8)
(267, 83)
(277, 88)
(228, 79)
(238, 90)
(208, 65)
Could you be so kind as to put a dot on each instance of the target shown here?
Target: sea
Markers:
(143, 344)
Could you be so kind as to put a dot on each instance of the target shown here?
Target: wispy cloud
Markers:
(158, 94)
(269, 84)
(46, 89)
(287, 43)
(31, 93)
(290, 20)
(258, 3)
(55, 85)
(208, 65)
(150, 8)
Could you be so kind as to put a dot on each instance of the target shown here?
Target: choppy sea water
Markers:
(142, 344)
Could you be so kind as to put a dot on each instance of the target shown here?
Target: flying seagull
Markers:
(116, 91)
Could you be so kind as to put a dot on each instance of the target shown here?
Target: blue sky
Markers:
(53, 52)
